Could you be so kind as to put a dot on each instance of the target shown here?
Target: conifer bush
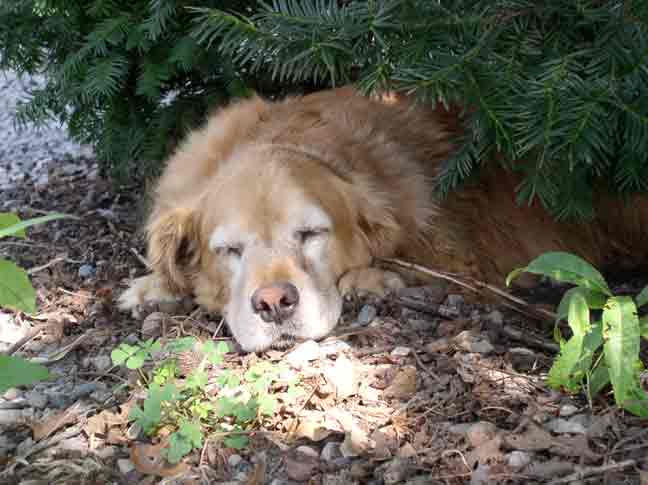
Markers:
(126, 76)
(559, 84)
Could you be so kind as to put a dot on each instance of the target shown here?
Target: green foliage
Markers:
(562, 85)
(134, 356)
(126, 76)
(599, 352)
(17, 292)
(15, 371)
(187, 407)
(559, 84)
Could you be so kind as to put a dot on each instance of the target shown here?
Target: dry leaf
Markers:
(56, 421)
(149, 461)
(487, 453)
(403, 385)
(643, 477)
(316, 426)
(259, 474)
(533, 438)
(99, 423)
(406, 451)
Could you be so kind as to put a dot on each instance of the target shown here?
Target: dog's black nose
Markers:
(275, 302)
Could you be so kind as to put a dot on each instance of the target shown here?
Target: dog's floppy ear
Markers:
(174, 247)
(379, 226)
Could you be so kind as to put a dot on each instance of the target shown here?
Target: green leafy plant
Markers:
(15, 371)
(134, 356)
(183, 403)
(600, 351)
(17, 293)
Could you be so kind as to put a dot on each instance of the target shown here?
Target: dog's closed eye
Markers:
(231, 250)
(310, 233)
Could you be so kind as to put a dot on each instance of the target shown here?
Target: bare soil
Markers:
(423, 387)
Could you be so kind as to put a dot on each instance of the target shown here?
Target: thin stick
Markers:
(594, 470)
(141, 258)
(36, 269)
(473, 286)
(424, 367)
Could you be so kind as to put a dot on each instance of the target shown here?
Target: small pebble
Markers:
(36, 399)
(307, 451)
(454, 300)
(562, 426)
(480, 433)
(331, 452)
(87, 271)
(495, 317)
(152, 324)
(11, 394)
(401, 352)
(125, 466)
(234, 460)
(83, 390)
(567, 410)
(470, 342)
(448, 311)
(102, 362)
(518, 459)
(334, 347)
(367, 314)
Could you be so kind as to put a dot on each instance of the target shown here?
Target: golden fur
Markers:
(259, 174)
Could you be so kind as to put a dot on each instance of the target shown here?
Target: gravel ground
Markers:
(29, 151)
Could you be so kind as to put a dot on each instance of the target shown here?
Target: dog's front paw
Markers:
(147, 289)
(365, 281)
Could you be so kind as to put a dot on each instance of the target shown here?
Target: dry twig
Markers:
(584, 472)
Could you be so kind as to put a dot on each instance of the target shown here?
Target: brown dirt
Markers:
(418, 412)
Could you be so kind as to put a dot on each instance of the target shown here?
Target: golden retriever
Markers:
(273, 210)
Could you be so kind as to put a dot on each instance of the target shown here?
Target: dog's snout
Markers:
(275, 302)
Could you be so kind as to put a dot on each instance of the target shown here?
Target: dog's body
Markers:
(273, 210)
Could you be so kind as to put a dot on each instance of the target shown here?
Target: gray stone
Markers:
(331, 452)
(367, 314)
(471, 342)
(563, 426)
(102, 362)
(83, 390)
(334, 347)
(454, 300)
(125, 466)
(401, 352)
(518, 459)
(87, 271)
(481, 432)
(460, 429)
(234, 460)
(36, 399)
(567, 410)
(495, 317)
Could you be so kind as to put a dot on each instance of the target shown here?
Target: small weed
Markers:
(185, 406)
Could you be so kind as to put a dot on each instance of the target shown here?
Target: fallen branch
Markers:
(584, 472)
(475, 286)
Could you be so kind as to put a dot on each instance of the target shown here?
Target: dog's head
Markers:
(266, 241)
